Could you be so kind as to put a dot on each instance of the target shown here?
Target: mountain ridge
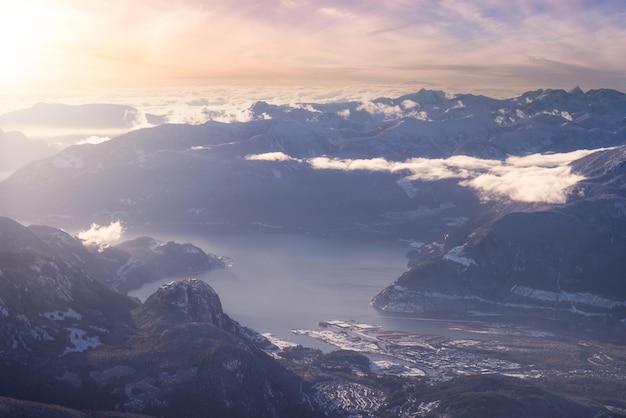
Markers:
(67, 339)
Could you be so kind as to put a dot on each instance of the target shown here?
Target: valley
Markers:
(591, 371)
(425, 255)
(312, 209)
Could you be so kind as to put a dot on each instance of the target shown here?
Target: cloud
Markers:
(194, 105)
(534, 178)
(416, 168)
(550, 160)
(159, 42)
(345, 113)
(374, 164)
(409, 104)
(271, 156)
(389, 112)
(94, 139)
(101, 236)
(336, 13)
(525, 184)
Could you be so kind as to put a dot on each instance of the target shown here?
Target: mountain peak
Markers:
(188, 300)
(576, 91)
(180, 292)
(15, 236)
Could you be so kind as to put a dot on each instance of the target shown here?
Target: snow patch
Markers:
(190, 249)
(456, 256)
(232, 365)
(340, 340)
(394, 368)
(61, 316)
(80, 341)
(37, 265)
(426, 408)
(556, 297)
(408, 188)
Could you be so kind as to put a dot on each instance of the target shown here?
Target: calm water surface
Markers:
(282, 281)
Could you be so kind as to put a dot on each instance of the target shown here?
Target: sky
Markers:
(455, 45)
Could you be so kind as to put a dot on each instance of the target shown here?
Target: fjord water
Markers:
(280, 282)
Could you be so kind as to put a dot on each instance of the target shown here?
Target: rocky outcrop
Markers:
(67, 339)
(189, 300)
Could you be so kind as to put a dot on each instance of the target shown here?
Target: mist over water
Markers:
(281, 282)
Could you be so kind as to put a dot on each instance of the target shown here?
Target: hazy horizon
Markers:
(198, 104)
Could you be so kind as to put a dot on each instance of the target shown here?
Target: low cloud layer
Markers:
(94, 139)
(272, 156)
(533, 178)
(102, 236)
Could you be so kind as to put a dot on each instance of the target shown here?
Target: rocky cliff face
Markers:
(67, 339)
(189, 300)
(49, 305)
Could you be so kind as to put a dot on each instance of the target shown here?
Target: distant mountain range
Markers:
(200, 174)
(61, 125)
(496, 225)
(17, 150)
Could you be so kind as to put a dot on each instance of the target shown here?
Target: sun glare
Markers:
(24, 32)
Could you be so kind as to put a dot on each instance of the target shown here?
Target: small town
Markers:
(512, 351)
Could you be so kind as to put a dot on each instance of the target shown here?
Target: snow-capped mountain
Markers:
(513, 206)
(460, 172)
(203, 175)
